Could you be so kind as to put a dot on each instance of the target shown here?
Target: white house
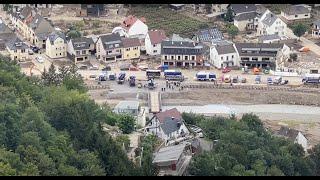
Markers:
(135, 27)
(167, 125)
(294, 135)
(315, 31)
(296, 12)
(56, 45)
(153, 42)
(271, 24)
(224, 55)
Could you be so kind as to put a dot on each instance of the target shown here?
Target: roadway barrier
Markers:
(251, 87)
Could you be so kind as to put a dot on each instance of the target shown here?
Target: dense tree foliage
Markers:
(299, 29)
(245, 148)
(49, 126)
(232, 31)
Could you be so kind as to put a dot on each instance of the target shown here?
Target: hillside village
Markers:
(121, 58)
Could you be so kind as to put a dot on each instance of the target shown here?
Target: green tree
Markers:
(73, 34)
(6, 170)
(299, 29)
(126, 123)
(79, 25)
(123, 140)
(229, 15)
(232, 31)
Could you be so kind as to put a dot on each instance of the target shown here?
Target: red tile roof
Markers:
(130, 42)
(130, 20)
(156, 36)
(161, 116)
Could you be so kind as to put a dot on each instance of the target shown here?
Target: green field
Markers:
(168, 20)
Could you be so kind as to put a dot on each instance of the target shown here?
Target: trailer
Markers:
(206, 76)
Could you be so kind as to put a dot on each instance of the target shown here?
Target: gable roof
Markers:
(130, 20)
(225, 49)
(41, 25)
(110, 40)
(54, 35)
(25, 12)
(4, 29)
(16, 43)
(245, 16)
(242, 8)
(127, 105)
(169, 153)
(288, 132)
(269, 19)
(170, 125)
(316, 22)
(81, 43)
(157, 36)
(269, 37)
(161, 116)
(209, 34)
(296, 9)
(130, 42)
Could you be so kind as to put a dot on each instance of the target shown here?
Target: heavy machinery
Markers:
(121, 78)
(150, 84)
(132, 81)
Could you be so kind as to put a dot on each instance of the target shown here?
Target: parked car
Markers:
(35, 49)
(226, 70)
(269, 81)
(235, 80)
(143, 68)
(92, 76)
(83, 67)
(227, 79)
(258, 79)
(107, 68)
(243, 80)
(94, 68)
(125, 67)
(40, 59)
(30, 52)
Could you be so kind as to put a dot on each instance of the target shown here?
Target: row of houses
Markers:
(262, 55)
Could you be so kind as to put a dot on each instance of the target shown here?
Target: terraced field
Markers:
(168, 20)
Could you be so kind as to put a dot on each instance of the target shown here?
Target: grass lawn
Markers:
(168, 20)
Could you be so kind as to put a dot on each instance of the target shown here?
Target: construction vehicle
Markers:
(173, 75)
(121, 77)
(206, 76)
(132, 81)
(150, 84)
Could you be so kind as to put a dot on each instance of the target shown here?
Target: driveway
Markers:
(305, 42)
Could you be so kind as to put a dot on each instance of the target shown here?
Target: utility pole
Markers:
(141, 156)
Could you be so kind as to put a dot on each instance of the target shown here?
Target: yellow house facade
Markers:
(131, 48)
(56, 45)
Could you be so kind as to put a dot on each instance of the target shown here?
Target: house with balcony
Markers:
(17, 49)
(247, 16)
(167, 125)
(224, 54)
(271, 24)
(315, 30)
(56, 45)
(181, 52)
(79, 49)
(262, 55)
(131, 48)
(109, 48)
(296, 12)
